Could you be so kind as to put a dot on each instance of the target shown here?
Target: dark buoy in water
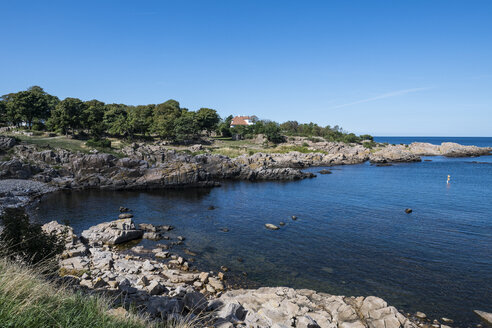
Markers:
(408, 210)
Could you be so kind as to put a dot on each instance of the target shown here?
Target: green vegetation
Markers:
(28, 299)
(34, 109)
(23, 241)
(30, 296)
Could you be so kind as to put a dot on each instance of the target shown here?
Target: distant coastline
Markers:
(467, 141)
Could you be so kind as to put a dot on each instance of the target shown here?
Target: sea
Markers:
(351, 237)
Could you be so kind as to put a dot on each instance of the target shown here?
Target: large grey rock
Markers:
(112, 233)
(485, 316)
(6, 143)
(195, 302)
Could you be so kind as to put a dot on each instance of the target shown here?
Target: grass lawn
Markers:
(73, 145)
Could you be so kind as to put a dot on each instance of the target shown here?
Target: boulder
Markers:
(195, 302)
(112, 233)
(271, 226)
(152, 235)
(6, 143)
(485, 316)
(155, 288)
(125, 216)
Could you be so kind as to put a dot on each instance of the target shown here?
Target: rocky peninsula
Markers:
(152, 166)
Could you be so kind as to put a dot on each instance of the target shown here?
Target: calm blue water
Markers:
(352, 236)
(476, 141)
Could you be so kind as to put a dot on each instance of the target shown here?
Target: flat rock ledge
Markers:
(19, 192)
(165, 287)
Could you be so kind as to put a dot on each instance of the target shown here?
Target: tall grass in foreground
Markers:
(27, 299)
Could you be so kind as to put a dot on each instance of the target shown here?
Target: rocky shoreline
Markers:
(166, 286)
(153, 166)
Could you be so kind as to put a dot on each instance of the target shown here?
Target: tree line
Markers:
(35, 109)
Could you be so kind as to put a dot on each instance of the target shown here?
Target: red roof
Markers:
(241, 120)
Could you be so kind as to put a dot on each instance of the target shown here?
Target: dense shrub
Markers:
(99, 143)
(25, 241)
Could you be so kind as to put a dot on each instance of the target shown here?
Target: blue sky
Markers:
(379, 67)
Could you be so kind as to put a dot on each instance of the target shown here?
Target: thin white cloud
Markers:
(383, 96)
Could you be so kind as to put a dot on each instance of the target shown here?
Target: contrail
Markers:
(383, 96)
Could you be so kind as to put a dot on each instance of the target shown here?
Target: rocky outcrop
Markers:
(6, 143)
(485, 316)
(451, 149)
(172, 169)
(287, 307)
(153, 166)
(112, 233)
(17, 193)
(167, 287)
(394, 154)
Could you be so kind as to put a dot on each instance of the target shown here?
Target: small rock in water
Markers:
(164, 228)
(420, 315)
(294, 217)
(239, 259)
(271, 226)
(325, 172)
(281, 223)
(211, 207)
(408, 210)
(125, 216)
(188, 252)
(224, 268)
(124, 209)
(224, 230)
(152, 235)
(220, 275)
(181, 238)
(447, 320)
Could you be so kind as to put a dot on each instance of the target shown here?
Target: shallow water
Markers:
(352, 236)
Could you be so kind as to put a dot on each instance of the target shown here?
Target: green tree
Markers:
(92, 118)
(224, 128)
(3, 111)
(67, 115)
(115, 119)
(208, 119)
(272, 132)
(140, 119)
(186, 127)
(30, 105)
(289, 127)
(164, 119)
